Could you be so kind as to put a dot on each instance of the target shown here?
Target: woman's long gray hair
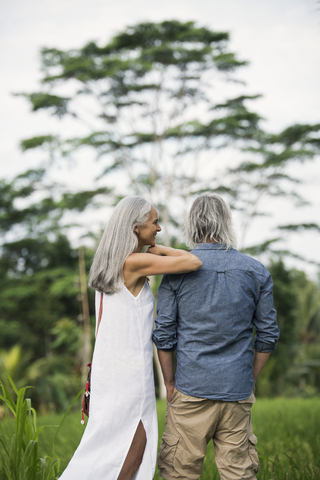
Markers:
(210, 220)
(117, 242)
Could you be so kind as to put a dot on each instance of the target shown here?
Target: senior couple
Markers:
(209, 302)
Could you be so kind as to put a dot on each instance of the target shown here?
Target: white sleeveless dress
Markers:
(122, 390)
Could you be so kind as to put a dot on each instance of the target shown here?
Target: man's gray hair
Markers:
(117, 242)
(210, 220)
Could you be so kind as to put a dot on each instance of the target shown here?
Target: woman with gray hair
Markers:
(121, 437)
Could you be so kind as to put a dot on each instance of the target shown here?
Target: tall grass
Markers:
(288, 432)
(20, 457)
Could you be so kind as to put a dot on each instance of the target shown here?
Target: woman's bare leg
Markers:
(135, 454)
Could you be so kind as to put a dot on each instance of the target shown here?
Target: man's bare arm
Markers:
(166, 362)
(259, 361)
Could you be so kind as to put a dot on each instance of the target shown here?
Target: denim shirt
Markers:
(208, 317)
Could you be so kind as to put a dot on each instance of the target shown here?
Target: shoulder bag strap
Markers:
(100, 312)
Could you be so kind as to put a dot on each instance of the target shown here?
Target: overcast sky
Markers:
(280, 39)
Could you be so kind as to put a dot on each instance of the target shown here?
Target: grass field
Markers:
(288, 432)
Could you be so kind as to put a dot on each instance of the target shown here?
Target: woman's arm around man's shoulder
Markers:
(159, 260)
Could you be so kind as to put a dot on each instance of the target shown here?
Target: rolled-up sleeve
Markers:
(265, 320)
(165, 333)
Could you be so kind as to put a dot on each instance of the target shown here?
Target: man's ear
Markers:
(136, 230)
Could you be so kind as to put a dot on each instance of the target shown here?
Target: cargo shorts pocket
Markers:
(253, 453)
(251, 399)
(174, 396)
(167, 453)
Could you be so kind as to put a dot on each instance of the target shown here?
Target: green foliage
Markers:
(300, 227)
(40, 141)
(43, 100)
(149, 83)
(256, 250)
(298, 133)
(286, 304)
(19, 446)
(42, 216)
(21, 187)
(15, 360)
(156, 119)
(294, 367)
(39, 298)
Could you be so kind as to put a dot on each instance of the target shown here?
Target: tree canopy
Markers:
(158, 102)
(147, 90)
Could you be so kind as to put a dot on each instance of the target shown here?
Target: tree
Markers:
(141, 97)
(38, 314)
(294, 367)
(304, 374)
(41, 337)
(147, 89)
(286, 304)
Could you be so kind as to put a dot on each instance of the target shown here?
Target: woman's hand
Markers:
(157, 250)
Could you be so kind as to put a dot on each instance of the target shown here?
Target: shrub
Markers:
(19, 439)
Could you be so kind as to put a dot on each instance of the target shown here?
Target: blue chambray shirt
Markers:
(208, 317)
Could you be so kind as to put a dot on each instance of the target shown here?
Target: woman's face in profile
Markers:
(147, 233)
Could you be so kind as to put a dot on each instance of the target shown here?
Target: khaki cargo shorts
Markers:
(190, 425)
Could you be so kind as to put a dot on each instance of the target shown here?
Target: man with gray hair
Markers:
(208, 318)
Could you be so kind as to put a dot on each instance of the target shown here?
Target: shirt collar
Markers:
(212, 246)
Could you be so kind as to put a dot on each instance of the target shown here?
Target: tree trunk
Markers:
(162, 388)
(165, 223)
(86, 344)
